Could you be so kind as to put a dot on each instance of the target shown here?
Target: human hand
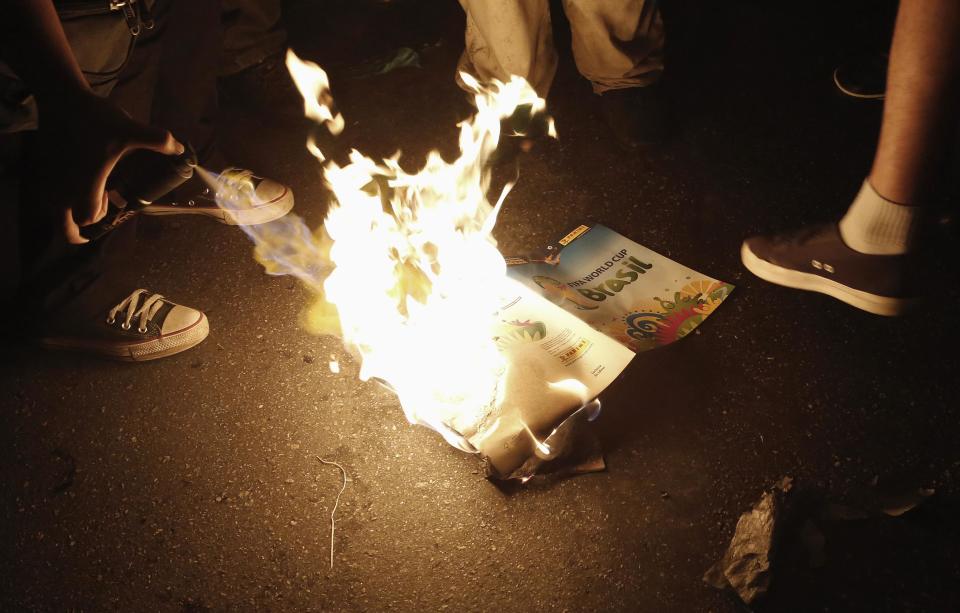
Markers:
(81, 138)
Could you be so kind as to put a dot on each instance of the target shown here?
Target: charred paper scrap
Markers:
(787, 516)
(579, 315)
(746, 565)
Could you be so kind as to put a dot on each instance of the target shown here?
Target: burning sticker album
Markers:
(580, 314)
(501, 356)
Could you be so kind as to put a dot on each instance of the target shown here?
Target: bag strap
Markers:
(136, 13)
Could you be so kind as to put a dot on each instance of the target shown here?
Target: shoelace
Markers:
(239, 177)
(148, 308)
(236, 189)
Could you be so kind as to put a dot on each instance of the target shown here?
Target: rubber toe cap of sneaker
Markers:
(179, 319)
(269, 191)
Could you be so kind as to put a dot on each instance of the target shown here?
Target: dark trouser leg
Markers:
(61, 283)
(251, 32)
(72, 282)
(170, 81)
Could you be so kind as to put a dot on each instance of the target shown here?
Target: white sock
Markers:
(877, 226)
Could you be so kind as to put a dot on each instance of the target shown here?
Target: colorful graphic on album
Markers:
(512, 333)
(629, 293)
(662, 321)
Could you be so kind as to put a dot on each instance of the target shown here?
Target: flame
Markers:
(314, 86)
(405, 268)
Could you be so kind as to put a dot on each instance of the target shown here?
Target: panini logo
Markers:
(569, 238)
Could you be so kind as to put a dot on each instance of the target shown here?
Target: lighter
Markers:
(140, 179)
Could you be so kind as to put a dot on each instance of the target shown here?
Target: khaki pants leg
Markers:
(509, 37)
(616, 43)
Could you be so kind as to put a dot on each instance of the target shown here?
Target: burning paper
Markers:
(580, 313)
(405, 270)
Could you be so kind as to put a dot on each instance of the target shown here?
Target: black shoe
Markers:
(143, 326)
(816, 259)
(635, 116)
(265, 87)
(863, 77)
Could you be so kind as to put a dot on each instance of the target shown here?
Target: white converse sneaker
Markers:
(143, 326)
(272, 200)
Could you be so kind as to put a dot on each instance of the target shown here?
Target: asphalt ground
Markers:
(192, 484)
